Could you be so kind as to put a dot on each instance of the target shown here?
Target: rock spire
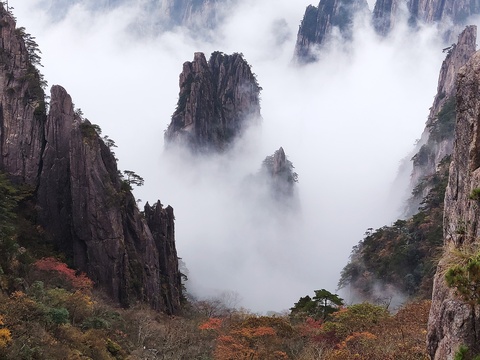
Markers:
(218, 99)
(319, 22)
(86, 208)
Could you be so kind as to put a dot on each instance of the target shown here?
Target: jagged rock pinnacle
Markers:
(218, 99)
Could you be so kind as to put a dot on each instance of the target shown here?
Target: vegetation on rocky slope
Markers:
(50, 311)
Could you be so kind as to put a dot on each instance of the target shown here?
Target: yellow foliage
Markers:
(5, 337)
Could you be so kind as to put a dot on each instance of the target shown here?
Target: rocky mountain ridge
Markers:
(319, 24)
(84, 205)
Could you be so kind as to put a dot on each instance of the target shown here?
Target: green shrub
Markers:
(58, 315)
(475, 194)
(463, 273)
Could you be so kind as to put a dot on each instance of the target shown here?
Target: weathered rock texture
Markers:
(22, 107)
(218, 99)
(436, 142)
(430, 11)
(85, 207)
(453, 322)
(279, 173)
(385, 15)
(319, 22)
(387, 12)
(161, 223)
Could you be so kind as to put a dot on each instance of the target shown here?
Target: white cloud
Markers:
(345, 123)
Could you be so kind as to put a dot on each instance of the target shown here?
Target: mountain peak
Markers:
(218, 99)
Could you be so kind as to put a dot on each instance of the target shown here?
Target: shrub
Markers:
(463, 273)
(475, 194)
(58, 316)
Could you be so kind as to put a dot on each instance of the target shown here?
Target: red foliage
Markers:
(310, 327)
(211, 324)
(79, 282)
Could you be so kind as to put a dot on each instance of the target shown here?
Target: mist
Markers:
(345, 122)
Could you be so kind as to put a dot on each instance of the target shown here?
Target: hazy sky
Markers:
(345, 122)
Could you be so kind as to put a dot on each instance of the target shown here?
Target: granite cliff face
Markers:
(22, 106)
(436, 143)
(218, 100)
(387, 12)
(385, 15)
(453, 321)
(430, 11)
(280, 175)
(85, 206)
(319, 23)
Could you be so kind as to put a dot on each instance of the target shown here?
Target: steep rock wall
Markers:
(22, 107)
(437, 139)
(431, 11)
(319, 22)
(387, 13)
(218, 99)
(86, 208)
(161, 222)
(91, 215)
(452, 321)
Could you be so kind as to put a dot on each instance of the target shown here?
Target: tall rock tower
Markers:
(218, 99)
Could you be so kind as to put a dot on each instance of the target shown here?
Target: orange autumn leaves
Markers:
(5, 334)
(362, 331)
(252, 338)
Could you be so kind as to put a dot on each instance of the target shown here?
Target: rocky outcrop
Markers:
(388, 12)
(86, 208)
(453, 321)
(436, 142)
(385, 15)
(430, 11)
(22, 106)
(161, 222)
(278, 171)
(218, 100)
(91, 215)
(319, 23)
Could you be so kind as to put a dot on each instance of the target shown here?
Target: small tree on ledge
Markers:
(131, 178)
